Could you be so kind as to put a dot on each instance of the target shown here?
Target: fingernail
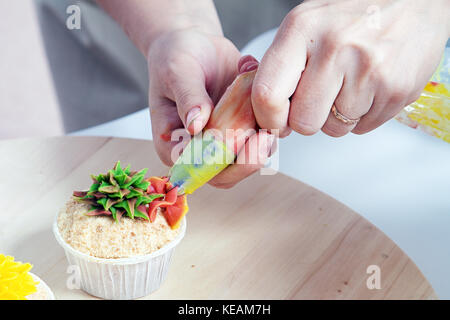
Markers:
(248, 66)
(245, 59)
(192, 115)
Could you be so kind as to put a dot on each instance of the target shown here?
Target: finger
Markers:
(391, 96)
(318, 88)
(187, 84)
(277, 78)
(250, 159)
(353, 101)
(357, 93)
(164, 118)
(382, 110)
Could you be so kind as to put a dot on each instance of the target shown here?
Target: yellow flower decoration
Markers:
(15, 281)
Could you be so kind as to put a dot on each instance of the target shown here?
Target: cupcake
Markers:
(18, 283)
(122, 232)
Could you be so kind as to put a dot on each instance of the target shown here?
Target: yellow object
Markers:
(431, 112)
(15, 281)
(202, 159)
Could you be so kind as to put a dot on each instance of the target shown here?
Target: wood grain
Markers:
(270, 237)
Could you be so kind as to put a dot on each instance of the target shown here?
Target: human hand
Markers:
(369, 66)
(189, 72)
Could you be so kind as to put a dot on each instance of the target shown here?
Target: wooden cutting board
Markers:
(270, 237)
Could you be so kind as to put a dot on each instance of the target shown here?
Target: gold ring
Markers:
(343, 118)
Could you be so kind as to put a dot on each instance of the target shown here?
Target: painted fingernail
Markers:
(247, 63)
(245, 59)
(166, 137)
(192, 115)
(248, 66)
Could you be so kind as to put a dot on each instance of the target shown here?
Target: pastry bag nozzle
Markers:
(211, 151)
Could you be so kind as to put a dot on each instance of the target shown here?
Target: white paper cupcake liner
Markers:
(44, 291)
(124, 278)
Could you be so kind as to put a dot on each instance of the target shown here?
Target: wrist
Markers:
(204, 26)
(145, 21)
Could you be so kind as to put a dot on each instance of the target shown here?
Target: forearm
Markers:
(144, 21)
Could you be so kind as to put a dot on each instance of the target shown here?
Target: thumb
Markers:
(191, 97)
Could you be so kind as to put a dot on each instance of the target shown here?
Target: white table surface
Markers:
(396, 177)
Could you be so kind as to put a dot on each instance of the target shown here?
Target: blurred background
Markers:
(27, 95)
(34, 91)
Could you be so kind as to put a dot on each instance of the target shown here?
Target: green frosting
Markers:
(118, 192)
(202, 159)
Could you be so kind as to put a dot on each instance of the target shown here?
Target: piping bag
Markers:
(431, 112)
(212, 150)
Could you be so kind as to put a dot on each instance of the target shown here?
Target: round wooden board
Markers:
(270, 237)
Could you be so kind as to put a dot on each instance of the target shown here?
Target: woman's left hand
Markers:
(366, 58)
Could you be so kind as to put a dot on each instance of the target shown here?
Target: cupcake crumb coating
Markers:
(103, 237)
